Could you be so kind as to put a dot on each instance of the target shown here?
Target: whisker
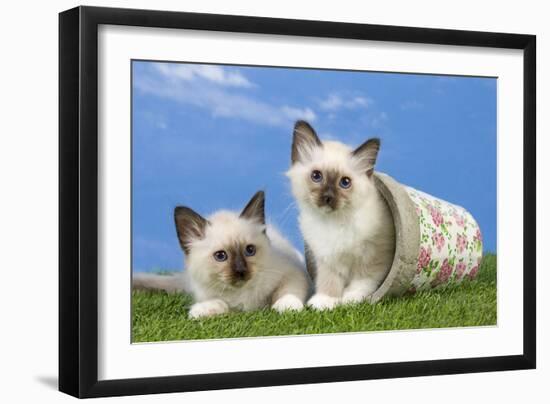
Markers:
(283, 218)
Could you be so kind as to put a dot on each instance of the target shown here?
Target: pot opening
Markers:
(407, 237)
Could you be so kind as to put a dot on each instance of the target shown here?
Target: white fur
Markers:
(320, 301)
(354, 245)
(280, 279)
(288, 302)
(208, 308)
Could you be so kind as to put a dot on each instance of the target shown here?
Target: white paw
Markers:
(353, 296)
(323, 302)
(208, 308)
(288, 302)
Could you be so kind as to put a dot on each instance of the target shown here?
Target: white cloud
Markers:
(336, 102)
(359, 102)
(297, 113)
(214, 74)
(331, 103)
(362, 106)
(218, 90)
(377, 120)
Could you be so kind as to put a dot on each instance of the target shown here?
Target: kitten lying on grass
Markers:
(234, 261)
(346, 224)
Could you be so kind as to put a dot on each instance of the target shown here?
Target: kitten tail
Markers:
(173, 283)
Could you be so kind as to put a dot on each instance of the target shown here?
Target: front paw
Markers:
(288, 302)
(208, 308)
(353, 297)
(323, 302)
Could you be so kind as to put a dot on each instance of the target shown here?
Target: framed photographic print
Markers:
(250, 201)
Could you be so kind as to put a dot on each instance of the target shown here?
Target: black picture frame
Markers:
(78, 200)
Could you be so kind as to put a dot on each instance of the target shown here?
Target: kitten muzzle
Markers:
(239, 269)
(328, 198)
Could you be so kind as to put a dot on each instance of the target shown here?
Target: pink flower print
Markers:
(461, 243)
(444, 273)
(459, 219)
(439, 240)
(423, 259)
(473, 272)
(477, 236)
(459, 269)
(437, 217)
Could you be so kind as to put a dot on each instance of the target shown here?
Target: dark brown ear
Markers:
(189, 225)
(255, 209)
(366, 155)
(304, 141)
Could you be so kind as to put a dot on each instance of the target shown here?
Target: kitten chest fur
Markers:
(351, 243)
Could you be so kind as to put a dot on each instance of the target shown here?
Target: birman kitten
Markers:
(346, 224)
(234, 262)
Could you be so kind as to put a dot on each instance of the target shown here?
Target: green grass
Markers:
(158, 316)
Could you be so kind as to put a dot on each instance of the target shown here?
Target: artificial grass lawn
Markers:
(159, 316)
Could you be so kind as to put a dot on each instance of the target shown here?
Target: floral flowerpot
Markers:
(436, 242)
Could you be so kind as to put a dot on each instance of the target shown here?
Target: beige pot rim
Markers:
(407, 237)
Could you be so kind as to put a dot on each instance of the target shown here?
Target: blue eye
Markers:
(345, 182)
(250, 250)
(220, 256)
(316, 176)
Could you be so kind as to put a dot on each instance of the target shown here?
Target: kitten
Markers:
(346, 224)
(234, 261)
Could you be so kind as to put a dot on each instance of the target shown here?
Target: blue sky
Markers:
(209, 136)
